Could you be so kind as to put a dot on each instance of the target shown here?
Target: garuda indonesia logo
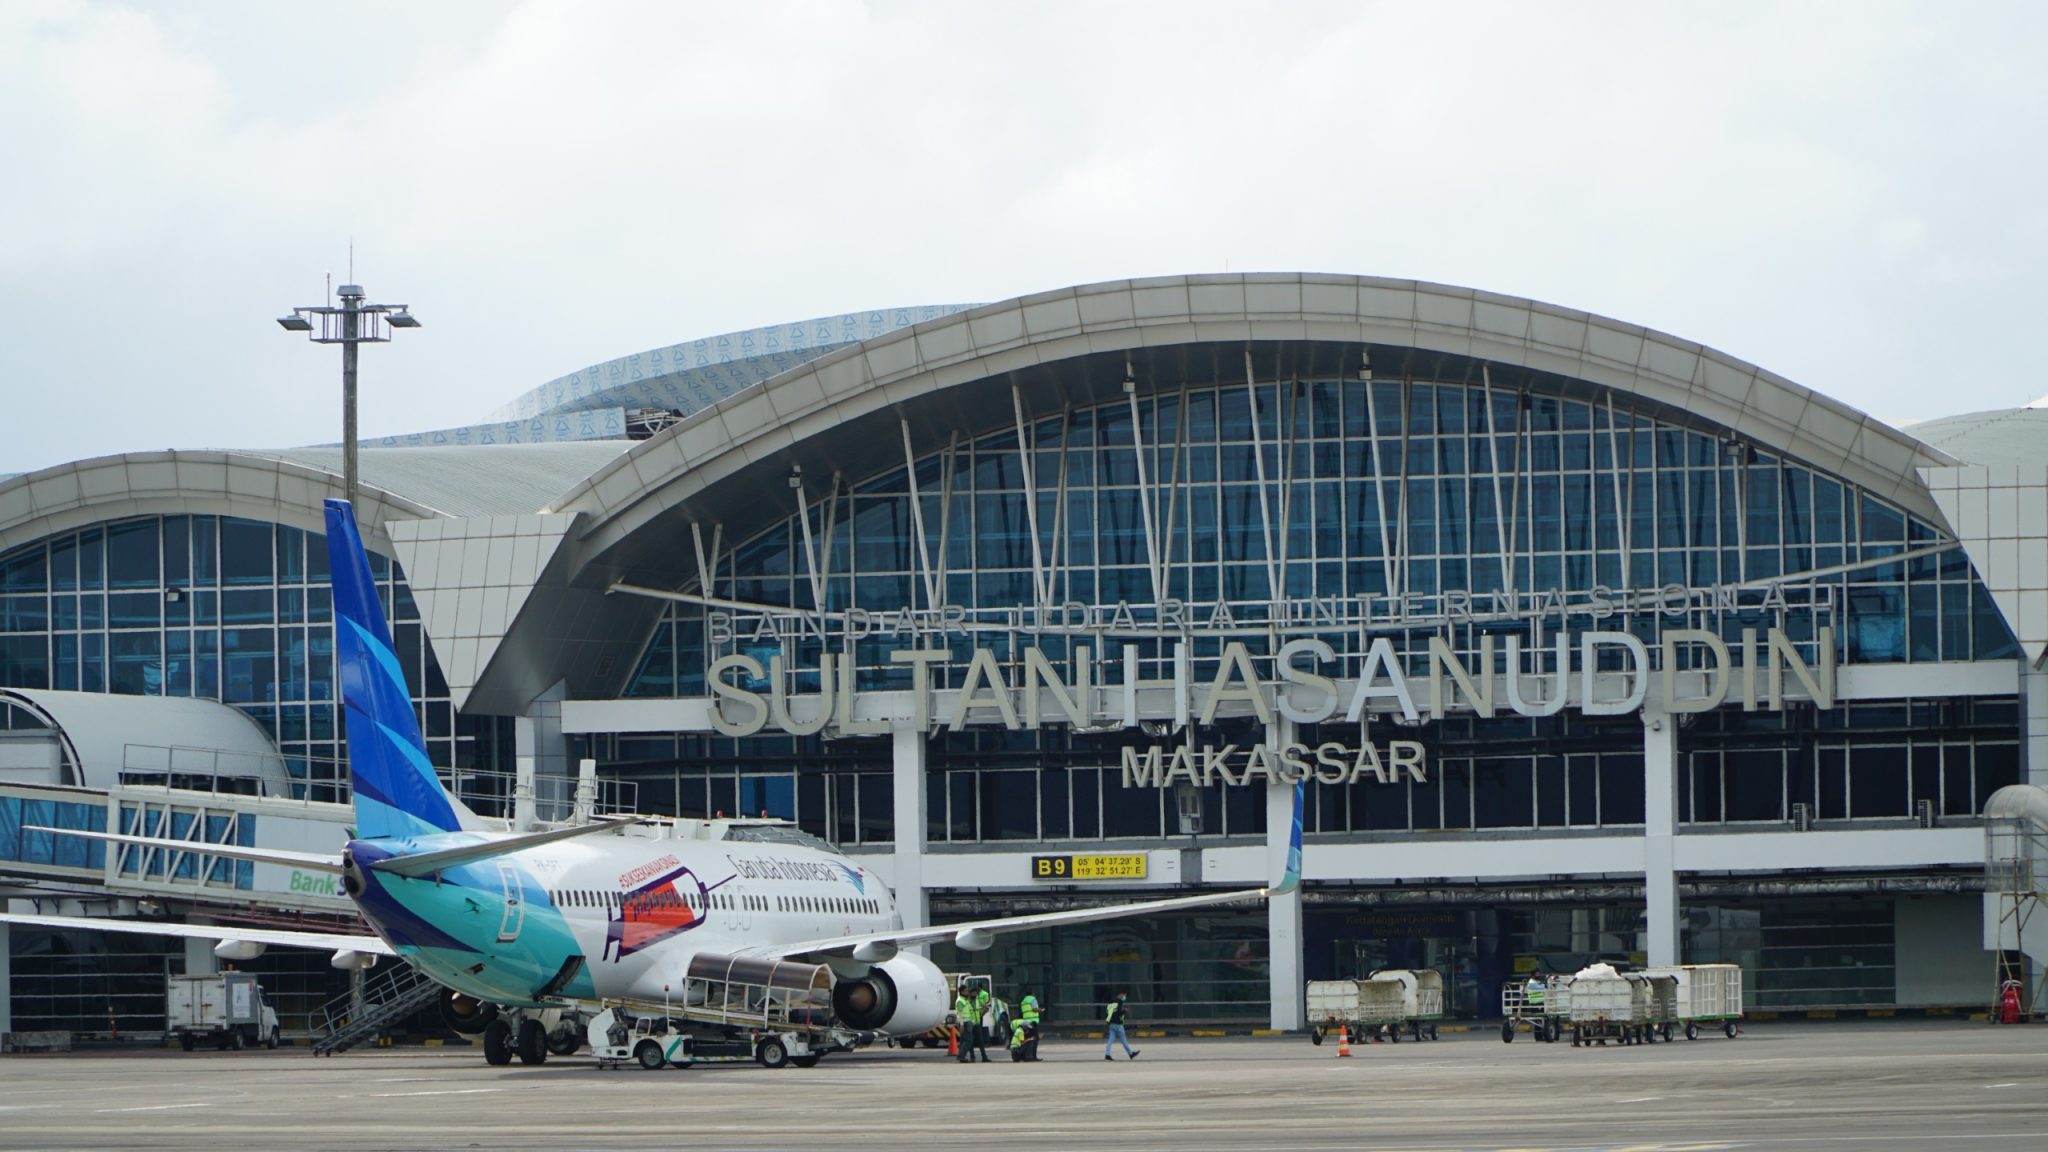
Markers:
(856, 876)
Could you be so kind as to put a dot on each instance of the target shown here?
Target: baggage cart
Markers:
(1523, 1005)
(1606, 1006)
(1384, 1005)
(1422, 999)
(1706, 995)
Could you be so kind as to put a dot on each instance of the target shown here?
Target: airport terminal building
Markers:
(1588, 641)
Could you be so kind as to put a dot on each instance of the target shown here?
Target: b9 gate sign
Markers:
(1089, 867)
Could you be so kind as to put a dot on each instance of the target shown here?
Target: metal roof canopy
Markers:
(104, 734)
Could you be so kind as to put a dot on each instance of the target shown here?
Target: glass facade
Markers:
(1322, 491)
(218, 607)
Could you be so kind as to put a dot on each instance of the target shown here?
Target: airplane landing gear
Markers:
(533, 1042)
(498, 1043)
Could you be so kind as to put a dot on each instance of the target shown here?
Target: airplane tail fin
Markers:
(1290, 877)
(396, 790)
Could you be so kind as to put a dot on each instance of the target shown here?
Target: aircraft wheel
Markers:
(810, 1061)
(498, 1043)
(772, 1053)
(564, 1042)
(649, 1055)
(533, 1042)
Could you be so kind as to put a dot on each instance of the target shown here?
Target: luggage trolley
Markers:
(1706, 994)
(1422, 1000)
(1603, 1006)
(1384, 1004)
(1523, 1005)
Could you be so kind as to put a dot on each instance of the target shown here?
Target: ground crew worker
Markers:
(968, 1023)
(1027, 1012)
(1115, 1015)
(981, 1022)
(1020, 1042)
(1532, 995)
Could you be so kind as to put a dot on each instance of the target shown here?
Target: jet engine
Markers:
(466, 1014)
(900, 996)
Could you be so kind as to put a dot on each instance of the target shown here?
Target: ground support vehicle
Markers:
(732, 1008)
(655, 1042)
(1708, 995)
(224, 1009)
(1524, 1011)
(1385, 1004)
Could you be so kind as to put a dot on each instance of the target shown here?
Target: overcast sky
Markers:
(1854, 195)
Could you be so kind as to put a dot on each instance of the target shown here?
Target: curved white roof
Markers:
(907, 369)
(104, 734)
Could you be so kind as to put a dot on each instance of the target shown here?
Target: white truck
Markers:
(225, 1009)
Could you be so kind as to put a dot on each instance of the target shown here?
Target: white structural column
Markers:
(1660, 827)
(199, 956)
(1283, 913)
(540, 747)
(6, 976)
(2034, 726)
(911, 899)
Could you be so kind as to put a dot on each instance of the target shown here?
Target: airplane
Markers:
(534, 933)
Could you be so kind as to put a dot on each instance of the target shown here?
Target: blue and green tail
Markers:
(396, 791)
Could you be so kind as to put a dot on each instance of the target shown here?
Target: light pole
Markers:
(354, 322)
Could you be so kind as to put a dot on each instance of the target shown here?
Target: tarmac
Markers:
(1905, 1084)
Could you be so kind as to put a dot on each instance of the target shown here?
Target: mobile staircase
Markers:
(366, 1012)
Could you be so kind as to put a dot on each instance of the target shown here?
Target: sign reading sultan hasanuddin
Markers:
(1597, 672)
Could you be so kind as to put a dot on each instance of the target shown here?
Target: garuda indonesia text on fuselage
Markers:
(527, 930)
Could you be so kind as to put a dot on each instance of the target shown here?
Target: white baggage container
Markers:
(1706, 994)
(1385, 1002)
(1332, 1002)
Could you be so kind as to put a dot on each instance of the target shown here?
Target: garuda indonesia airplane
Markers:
(530, 932)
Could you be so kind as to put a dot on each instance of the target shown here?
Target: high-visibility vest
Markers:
(1017, 1032)
(1027, 1009)
(963, 1007)
(1109, 1013)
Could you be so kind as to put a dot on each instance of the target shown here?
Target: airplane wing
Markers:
(282, 937)
(975, 935)
(311, 861)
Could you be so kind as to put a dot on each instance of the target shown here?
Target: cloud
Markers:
(1847, 194)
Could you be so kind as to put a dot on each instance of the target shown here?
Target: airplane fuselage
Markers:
(608, 918)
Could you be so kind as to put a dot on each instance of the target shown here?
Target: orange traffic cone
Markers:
(1343, 1040)
(952, 1042)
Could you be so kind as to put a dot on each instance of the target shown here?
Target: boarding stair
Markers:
(367, 1011)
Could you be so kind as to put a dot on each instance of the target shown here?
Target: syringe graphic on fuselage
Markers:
(657, 911)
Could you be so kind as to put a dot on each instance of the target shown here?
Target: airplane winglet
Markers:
(1290, 878)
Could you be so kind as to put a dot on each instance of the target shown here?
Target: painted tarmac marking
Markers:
(161, 1107)
(1639, 1100)
(439, 1092)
